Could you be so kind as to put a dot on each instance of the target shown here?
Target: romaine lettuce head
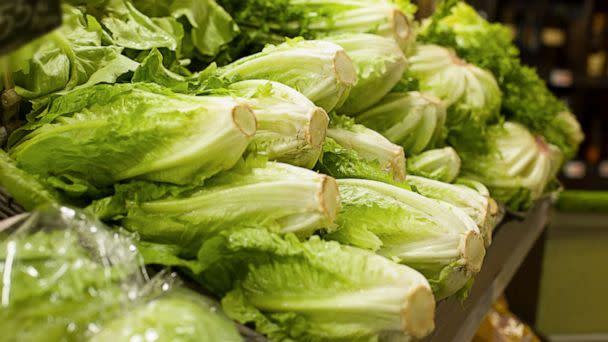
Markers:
(519, 168)
(479, 207)
(442, 164)
(526, 98)
(315, 290)
(470, 93)
(179, 315)
(315, 19)
(69, 57)
(413, 120)
(280, 197)
(92, 137)
(368, 144)
(379, 62)
(291, 129)
(320, 70)
(434, 237)
(63, 275)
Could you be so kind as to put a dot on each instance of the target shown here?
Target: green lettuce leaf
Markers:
(434, 237)
(265, 21)
(70, 57)
(279, 197)
(210, 27)
(93, 137)
(369, 145)
(379, 62)
(414, 120)
(442, 164)
(320, 70)
(471, 94)
(341, 162)
(179, 315)
(315, 290)
(520, 169)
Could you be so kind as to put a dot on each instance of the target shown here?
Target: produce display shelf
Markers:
(458, 321)
(455, 320)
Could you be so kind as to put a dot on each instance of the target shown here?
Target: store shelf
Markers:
(513, 239)
(455, 320)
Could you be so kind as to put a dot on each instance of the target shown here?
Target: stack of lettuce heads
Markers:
(328, 170)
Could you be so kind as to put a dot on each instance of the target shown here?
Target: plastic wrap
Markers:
(67, 277)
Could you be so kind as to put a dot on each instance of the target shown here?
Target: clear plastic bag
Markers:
(67, 277)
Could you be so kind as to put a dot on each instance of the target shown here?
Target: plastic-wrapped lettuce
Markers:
(413, 120)
(315, 290)
(518, 169)
(442, 164)
(90, 138)
(320, 70)
(177, 315)
(379, 62)
(63, 276)
(66, 277)
(434, 237)
(281, 197)
(291, 129)
(471, 94)
(271, 20)
(368, 144)
(479, 207)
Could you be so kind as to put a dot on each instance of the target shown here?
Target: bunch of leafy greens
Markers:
(310, 291)
(74, 56)
(526, 98)
(178, 315)
(276, 196)
(64, 275)
(414, 120)
(379, 63)
(369, 145)
(478, 206)
(434, 237)
(519, 170)
(93, 137)
(470, 93)
(442, 164)
(264, 21)
(320, 70)
(342, 162)
(291, 129)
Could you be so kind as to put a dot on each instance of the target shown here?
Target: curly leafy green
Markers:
(526, 98)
